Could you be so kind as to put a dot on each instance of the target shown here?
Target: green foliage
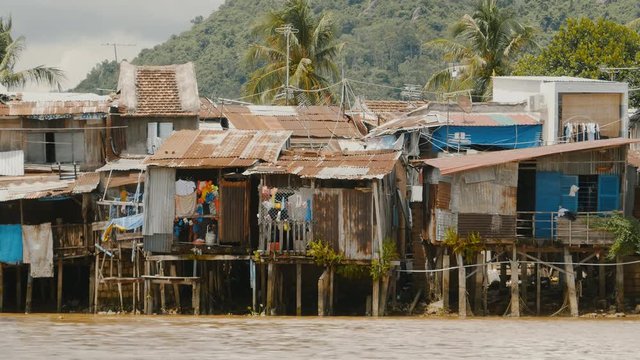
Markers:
(627, 234)
(10, 51)
(382, 265)
(382, 38)
(485, 44)
(323, 254)
(353, 271)
(583, 47)
(104, 74)
(312, 52)
(468, 247)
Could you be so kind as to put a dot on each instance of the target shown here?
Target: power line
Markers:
(115, 48)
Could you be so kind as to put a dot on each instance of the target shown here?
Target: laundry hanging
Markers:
(186, 204)
(10, 244)
(37, 242)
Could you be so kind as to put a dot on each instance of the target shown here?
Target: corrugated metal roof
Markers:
(12, 163)
(124, 164)
(86, 183)
(454, 164)
(332, 165)
(26, 188)
(552, 79)
(56, 108)
(219, 149)
(311, 121)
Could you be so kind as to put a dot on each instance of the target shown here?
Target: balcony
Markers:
(284, 237)
(547, 226)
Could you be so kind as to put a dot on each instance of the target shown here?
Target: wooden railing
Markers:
(284, 236)
(549, 226)
(70, 239)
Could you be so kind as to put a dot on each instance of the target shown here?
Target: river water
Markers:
(185, 337)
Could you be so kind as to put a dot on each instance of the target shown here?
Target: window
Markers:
(54, 147)
(156, 133)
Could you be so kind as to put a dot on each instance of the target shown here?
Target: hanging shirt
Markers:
(185, 187)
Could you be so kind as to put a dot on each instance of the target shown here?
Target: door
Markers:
(548, 198)
(608, 192)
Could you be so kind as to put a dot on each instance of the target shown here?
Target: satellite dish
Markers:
(464, 102)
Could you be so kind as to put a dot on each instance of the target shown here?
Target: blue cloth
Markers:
(11, 244)
(505, 137)
(128, 222)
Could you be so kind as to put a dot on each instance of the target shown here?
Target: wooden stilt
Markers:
(538, 285)
(524, 275)
(619, 285)
(195, 297)
(271, 278)
(96, 288)
(19, 287)
(119, 269)
(602, 279)
(515, 298)
(462, 287)
(92, 284)
(384, 294)
(332, 274)
(445, 282)
(163, 295)
(176, 287)
(571, 283)
(27, 306)
(375, 298)
(59, 292)
(437, 276)
(148, 301)
(503, 275)
(479, 284)
(298, 290)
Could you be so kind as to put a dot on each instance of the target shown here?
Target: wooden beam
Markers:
(515, 293)
(195, 297)
(27, 306)
(298, 290)
(163, 290)
(148, 301)
(59, 292)
(445, 282)
(479, 283)
(323, 282)
(203, 257)
(384, 294)
(375, 298)
(271, 290)
(543, 262)
(571, 283)
(462, 287)
(619, 284)
(176, 289)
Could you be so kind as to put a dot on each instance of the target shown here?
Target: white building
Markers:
(563, 100)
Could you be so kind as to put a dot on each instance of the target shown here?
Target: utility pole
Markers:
(287, 30)
(115, 48)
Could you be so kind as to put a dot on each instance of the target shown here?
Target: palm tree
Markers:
(484, 44)
(10, 51)
(313, 49)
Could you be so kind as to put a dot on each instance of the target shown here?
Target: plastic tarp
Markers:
(505, 137)
(10, 244)
(38, 249)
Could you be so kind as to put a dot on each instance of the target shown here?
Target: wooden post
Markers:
(602, 279)
(195, 297)
(479, 284)
(503, 275)
(571, 283)
(375, 298)
(445, 282)
(176, 287)
(271, 290)
(59, 292)
(163, 297)
(323, 283)
(462, 287)
(27, 306)
(148, 303)
(19, 287)
(119, 265)
(92, 284)
(330, 290)
(538, 285)
(96, 288)
(524, 273)
(619, 285)
(298, 289)
(515, 298)
(384, 294)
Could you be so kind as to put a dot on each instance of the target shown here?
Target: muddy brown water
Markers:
(183, 337)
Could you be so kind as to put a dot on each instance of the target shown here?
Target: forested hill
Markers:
(382, 39)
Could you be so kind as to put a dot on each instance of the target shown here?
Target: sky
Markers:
(69, 34)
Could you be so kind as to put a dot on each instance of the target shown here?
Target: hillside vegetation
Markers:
(383, 39)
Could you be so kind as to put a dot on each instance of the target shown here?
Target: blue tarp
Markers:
(506, 137)
(10, 244)
(128, 222)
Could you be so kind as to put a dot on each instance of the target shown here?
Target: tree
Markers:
(484, 44)
(586, 48)
(313, 49)
(10, 50)
(103, 77)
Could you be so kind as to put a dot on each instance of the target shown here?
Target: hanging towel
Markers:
(10, 244)
(37, 242)
(185, 187)
(186, 204)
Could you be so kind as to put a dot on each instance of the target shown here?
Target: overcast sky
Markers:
(69, 34)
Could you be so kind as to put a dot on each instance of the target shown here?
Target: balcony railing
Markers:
(288, 236)
(549, 226)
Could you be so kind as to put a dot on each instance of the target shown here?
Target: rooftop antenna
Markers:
(287, 30)
(115, 48)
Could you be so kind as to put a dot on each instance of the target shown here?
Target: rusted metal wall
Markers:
(159, 201)
(356, 242)
(486, 191)
(489, 226)
(234, 208)
(442, 193)
(93, 144)
(11, 140)
(326, 217)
